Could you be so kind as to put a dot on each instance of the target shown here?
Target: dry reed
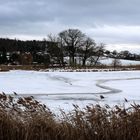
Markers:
(24, 118)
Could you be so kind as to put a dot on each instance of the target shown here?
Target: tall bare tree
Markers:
(98, 52)
(87, 49)
(73, 39)
(55, 49)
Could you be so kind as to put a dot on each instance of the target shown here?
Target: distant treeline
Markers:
(69, 47)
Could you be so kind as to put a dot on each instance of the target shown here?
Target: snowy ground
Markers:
(62, 89)
(108, 61)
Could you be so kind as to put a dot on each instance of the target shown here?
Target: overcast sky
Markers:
(113, 22)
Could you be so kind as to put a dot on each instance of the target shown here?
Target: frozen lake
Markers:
(62, 89)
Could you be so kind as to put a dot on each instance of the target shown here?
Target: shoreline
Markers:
(5, 68)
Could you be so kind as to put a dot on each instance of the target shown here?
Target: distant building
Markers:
(26, 58)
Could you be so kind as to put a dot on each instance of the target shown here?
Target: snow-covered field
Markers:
(108, 61)
(62, 89)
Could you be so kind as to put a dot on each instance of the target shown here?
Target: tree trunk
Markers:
(84, 61)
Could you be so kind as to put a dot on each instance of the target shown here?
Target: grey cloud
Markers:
(24, 11)
(115, 34)
(102, 11)
(72, 11)
(40, 17)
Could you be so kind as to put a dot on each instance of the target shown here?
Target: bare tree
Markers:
(98, 52)
(52, 38)
(87, 49)
(114, 54)
(72, 39)
(55, 49)
(116, 63)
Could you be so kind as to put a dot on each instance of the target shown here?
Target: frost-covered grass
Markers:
(24, 118)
